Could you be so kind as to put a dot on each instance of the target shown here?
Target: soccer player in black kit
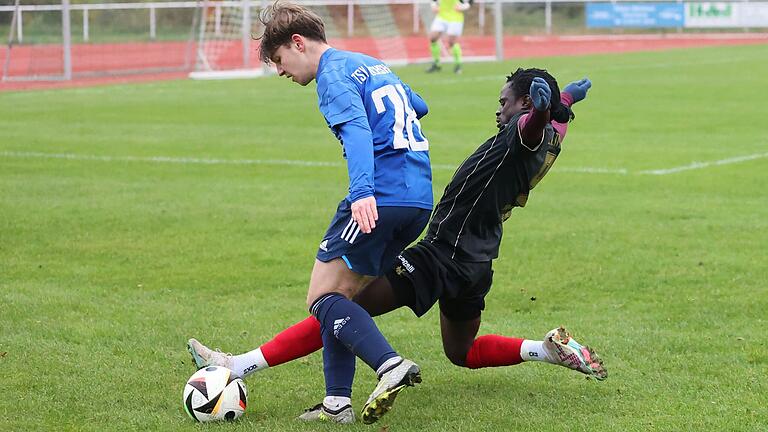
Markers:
(452, 265)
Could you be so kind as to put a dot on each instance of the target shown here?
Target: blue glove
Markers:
(578, 89)
(540, 94)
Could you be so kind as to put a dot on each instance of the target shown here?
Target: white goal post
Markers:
(224, 48)
(57, 68)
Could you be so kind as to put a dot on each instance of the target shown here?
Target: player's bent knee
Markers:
(312, 296)
(333, 277)
(457, 357)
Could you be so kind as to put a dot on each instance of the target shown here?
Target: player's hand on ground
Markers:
(540, 94)
(364, 212)
(578, 89)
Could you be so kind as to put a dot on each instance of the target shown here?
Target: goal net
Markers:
(34, 46)
(384, 29)
(224, 46)
(202, 38)
(86, 40)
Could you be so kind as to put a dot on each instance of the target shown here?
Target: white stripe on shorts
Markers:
(345, 231)
(354, 236)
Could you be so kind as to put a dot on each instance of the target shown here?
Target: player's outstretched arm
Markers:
(578, 89)
(572, 93)
(531, 126)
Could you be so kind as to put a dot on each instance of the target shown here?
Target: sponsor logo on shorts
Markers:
(324, 246)
(408, 266)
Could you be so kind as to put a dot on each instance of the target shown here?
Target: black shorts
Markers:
(425, 273)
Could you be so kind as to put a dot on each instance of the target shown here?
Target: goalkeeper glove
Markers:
(578, 89)
(540, 94)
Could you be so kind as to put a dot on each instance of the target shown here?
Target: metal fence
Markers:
(65, 40)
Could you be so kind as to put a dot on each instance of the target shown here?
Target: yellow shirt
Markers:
(448, 11)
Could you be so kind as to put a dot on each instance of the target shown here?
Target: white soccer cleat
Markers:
(204, 356)
(319, 412)
(406, 373)
(563, 350)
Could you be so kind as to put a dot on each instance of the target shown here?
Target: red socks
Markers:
(302, 338)
(493, 350)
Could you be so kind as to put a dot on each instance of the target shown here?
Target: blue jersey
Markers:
(376, 117)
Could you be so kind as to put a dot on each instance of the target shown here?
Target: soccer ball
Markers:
(215, 393)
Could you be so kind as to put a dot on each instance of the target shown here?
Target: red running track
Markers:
(95, 64)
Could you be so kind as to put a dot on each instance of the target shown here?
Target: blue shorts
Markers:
(371, 254)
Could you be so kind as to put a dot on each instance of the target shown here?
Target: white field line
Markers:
(701, 165)
(587, 170)
(304, 163)
(271, 162)
(166, 159)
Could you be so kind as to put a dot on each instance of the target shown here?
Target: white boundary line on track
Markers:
(290, 162)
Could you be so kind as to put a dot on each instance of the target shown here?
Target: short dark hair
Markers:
(521, 81)
(282, 20)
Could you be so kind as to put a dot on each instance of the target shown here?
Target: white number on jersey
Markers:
(405, 117)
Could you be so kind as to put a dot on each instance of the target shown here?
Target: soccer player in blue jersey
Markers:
(375, 116)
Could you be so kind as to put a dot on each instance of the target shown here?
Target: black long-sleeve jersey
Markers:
(485, 188)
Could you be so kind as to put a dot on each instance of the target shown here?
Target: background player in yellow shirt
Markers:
(449, 21)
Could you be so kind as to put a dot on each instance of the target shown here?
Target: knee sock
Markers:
(338, 366)
(494, 350)
(434, 47)
(456, 50)
(302, 338)
(353, 327)
(299, 340)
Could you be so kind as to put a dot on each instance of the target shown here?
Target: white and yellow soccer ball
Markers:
(215, 393)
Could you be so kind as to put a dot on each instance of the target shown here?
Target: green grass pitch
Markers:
(110, 260)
